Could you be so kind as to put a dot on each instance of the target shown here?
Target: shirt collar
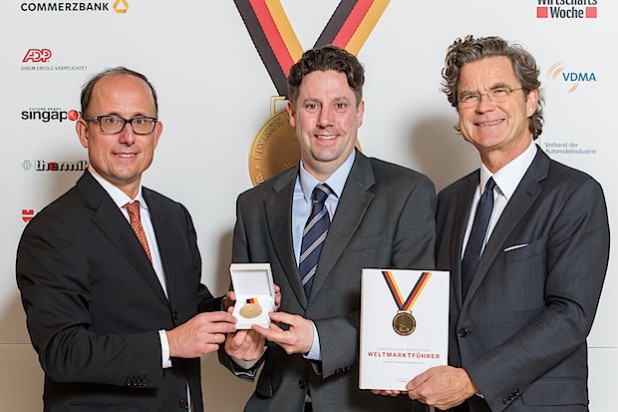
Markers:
(508, 177)
(335, 181)
(119, 197)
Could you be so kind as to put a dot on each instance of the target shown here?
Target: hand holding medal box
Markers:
(404, 325)
(255, 294)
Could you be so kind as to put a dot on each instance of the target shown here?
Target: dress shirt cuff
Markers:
(314, 353)
(166, 361)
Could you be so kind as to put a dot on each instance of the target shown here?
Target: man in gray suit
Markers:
(379, 215)
(527, 242)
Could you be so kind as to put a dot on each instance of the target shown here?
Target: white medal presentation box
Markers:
(255, 294)
(404, 325)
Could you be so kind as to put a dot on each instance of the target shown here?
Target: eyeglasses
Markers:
(497, 95)
(112, 124)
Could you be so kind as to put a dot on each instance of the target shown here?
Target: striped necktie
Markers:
(314, 236)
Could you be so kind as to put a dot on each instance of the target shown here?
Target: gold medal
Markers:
(404, 323)
(251, 309)
(275, 148)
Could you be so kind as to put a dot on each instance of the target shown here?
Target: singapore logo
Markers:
(571, 78)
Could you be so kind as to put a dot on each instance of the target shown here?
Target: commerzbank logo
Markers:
(118, 6)
(121, 6)
(572, 79)
(566, 9)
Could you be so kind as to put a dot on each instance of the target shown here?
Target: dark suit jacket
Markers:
(384, 219)
(521, 330)
(94, 304)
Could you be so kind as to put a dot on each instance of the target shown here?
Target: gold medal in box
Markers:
(404, 324)
(251, 309)
(255, 294)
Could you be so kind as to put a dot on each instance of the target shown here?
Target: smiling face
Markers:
(499, 131)
(326, 117)
(123, 157)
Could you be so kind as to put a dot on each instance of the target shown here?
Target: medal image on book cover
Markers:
(404, 325)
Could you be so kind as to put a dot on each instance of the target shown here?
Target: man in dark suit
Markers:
(114, 301)
(527, 242)
(379, 215)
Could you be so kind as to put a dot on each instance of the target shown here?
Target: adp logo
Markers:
(37, 56)
(571, 79)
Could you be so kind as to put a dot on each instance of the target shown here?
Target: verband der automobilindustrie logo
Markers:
(566, 9)
(118, 6)
(49, 114)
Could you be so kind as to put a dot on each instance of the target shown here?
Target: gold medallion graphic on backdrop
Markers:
(275, 148)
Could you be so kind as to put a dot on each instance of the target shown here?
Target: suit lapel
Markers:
(351, 209)
(110, 220)
(278, 210)
(164, 233)
(524, 196)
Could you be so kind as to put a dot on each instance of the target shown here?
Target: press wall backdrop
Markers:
(218, 65)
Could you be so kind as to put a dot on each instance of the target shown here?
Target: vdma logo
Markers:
(572, 79)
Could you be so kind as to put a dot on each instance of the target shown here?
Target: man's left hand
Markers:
(297, 339)
(442, 386)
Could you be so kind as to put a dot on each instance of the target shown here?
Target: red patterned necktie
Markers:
(136, 225)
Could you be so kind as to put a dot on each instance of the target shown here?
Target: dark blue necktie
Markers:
(477, 236)
(314, 236)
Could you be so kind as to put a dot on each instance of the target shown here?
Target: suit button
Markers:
(183, 404)
(303, 384)
(462, 332)
(175, 316)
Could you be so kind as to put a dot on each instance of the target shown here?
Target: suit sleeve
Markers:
(53, 276)
(576, 260)
(412, 248)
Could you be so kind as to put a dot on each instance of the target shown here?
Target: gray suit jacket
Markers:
(94, 303)
(521, 330)
(384, 219)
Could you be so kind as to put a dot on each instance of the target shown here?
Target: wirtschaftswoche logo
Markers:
(49, 114)
(54, 166)
(572, 79)
(566, 9)
(118, 6)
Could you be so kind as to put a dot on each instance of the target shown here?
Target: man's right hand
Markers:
(200, 335)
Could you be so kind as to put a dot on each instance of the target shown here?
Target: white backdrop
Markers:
(215, 94)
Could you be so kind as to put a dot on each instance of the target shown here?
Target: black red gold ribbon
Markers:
(413, 296)
(277, 44)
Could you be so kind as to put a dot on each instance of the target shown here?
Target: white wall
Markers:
(215, 95)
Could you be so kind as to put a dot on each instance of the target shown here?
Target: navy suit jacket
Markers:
(94, 303)
(520, 331)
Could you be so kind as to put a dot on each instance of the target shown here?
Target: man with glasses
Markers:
(526, 240)
(110, 272)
